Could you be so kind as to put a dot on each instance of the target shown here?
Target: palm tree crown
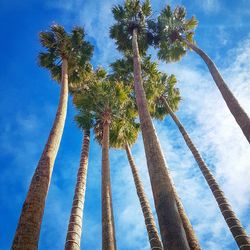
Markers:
(170, 29)
(62, 45)
(156, 84)
(103, 96)
(132, 15)
(168, 92)
(123, 132)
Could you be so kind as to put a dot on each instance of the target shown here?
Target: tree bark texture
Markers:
(153, 236)
(108, 228)
(171, 227)
(28, 229)
(190, 234)
(73, 239)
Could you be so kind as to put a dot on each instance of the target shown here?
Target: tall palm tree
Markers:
(131, 22)
(153, 235)
(174, 35)
(160, 86)
(170, 98)
(85, 123)
(124, 133)
(64, 53)
(157, 84)
(237, 230)
(104, 101)
(73, 239)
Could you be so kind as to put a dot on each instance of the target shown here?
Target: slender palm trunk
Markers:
(171, 227)
(28, 229)
(236, 110)
(237, 230)
(191, 236)
(73, 239)
(153, 235)
(108, 228)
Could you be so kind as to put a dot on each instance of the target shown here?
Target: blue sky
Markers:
(29, 99)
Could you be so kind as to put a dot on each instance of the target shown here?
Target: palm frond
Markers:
(118, 12)
(146, 8)
(132, 15)
(71, 46)
(191, 24)
(171, 52)
(59, 32)
(46, 59)
(84, 120)
(47, 39)
(179, 13)
(171, 28)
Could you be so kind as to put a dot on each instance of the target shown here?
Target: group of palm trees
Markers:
(109, 104)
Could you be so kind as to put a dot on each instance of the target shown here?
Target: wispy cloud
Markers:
(209, 6)
(96, 17)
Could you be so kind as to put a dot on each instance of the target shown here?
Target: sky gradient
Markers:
(29, 100)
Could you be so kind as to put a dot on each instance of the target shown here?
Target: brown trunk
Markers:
(28, 229)
(74, 233)
(171, 227)
(236, 110)
(153, 235)
(108, 229)
(232, 221)
(191, 236)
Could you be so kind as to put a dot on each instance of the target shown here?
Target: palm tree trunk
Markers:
(237, 111)
(153, 235)
(237, 230)
(171, 227)
(28, 229)
(74, 233)
(108, 228)
(191, 236)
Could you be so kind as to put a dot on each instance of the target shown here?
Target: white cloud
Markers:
(209, 6)
(70, 6)
(96, 18)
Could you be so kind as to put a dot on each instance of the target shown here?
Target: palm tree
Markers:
(157, 84)
(124, 133)
(237, 230)
(153, 85)
(105, 101)
(85, 123)
(157, 88)
(63, 52)
(73, 239)
(170, 98)
(153, 235)
(174, 35)
(131, 22)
